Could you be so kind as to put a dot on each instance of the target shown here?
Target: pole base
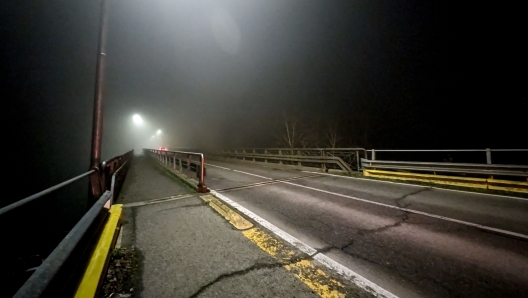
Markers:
(202, 188)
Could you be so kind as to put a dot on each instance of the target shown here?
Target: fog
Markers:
(217, 74)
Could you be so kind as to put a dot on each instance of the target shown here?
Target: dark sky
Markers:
(393, 74)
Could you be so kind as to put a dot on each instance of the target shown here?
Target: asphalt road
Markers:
(414, 241)
(187, 249)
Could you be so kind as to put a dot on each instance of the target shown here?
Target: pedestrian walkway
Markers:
(188, 249)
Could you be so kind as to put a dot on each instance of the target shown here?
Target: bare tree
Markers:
(332, 135)
(290, 134)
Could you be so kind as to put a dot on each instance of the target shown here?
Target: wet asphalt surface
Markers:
(188, 250)
(411, 255)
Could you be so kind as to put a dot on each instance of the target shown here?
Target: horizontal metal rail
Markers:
(449, 150)
(488, 151)
(444, 167)
(42, 193)
(200, 171)
(113, 183)
(317, 159)
(100, 190)
(37, 284)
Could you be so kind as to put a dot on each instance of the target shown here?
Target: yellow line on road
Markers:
(295, 262)
(305, 270)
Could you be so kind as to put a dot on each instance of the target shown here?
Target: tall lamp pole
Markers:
(97, 179)
(97, 128)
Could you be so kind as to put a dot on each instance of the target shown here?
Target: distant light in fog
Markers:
(137, 119)
(159, 131)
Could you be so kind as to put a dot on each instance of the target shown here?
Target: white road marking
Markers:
(253, 175)
(408, 184)
(409, 210)
(323, 259)
(414, 211)
(217, 166)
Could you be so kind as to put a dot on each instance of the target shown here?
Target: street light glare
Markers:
(159, 131)
(137, 119)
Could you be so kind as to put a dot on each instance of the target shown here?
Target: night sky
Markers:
(392, 74)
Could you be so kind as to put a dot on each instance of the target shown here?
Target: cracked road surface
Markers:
(189, 250)
(408, 254)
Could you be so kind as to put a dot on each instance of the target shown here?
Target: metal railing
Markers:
(488, 152)
(343, 159)
(183, 160)
(105, 184)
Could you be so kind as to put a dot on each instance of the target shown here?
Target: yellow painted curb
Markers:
(515, 186)
(234, 218)
(94, 272)
(306, 271)
(484, 183)
(438, 179)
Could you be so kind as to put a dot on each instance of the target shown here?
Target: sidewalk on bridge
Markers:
(186, 249)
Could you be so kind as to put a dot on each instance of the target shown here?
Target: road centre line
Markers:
(412, 211)
(252, 174)
(415, 185)
(264, 183)
(323, 259)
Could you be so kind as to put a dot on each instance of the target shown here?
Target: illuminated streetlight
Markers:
(158, 132)
(137, 119)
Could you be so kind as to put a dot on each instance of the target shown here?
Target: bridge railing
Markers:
(183, 161)
(479, 156)
(53, 276)
(340, 159)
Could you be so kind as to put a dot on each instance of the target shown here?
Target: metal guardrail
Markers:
(105, 183)
(487, 151)
(183, 160)
(444, 167)
(343, 159)
(38, 283)
(38, 195)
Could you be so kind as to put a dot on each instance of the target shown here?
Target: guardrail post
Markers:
(323, 165)
(265, 152)
(299, 153)
(373, 154)
(357, 160)
(280, 153)
(201, 184)
(488, 156)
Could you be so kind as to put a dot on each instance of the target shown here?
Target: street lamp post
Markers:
(95, 183)
(97, 125)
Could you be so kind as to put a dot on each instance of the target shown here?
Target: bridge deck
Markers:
(189, 250)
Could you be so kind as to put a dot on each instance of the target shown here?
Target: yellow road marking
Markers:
(234, 218)
(313, 277)
(94, 271)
